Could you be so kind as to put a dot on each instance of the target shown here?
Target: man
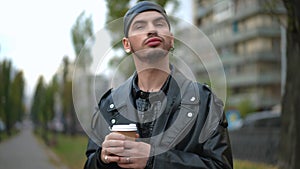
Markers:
(180, 122)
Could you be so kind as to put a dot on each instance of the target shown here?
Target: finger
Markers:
(109, 159)
(124, 153)
(115, 136)
(125, 160)
(113, 143)
(126, 150)
(115, 150)
(129, 144)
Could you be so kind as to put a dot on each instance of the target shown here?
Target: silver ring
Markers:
(106, 159)
(128, 160)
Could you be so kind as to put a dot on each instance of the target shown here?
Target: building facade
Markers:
(247, 36)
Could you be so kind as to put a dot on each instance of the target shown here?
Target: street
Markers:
(24, 151)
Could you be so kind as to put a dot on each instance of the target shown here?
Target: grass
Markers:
(4, 136)
(239, 164)
(71, 151)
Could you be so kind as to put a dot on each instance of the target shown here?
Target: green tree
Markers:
(17, 97)
(12, 85)
(38, 103)
(48, 111)
(67, 99)
(6, 70)
(290, 126)
(42, 108)
(245, 107)
(1, 92)
(83, 39)
(2, 100)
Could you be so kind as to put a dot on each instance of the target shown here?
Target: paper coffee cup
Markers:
(128, 130)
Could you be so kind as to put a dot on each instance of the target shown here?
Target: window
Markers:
(235, 27)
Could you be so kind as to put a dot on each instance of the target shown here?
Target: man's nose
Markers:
(151, 30)
(152, 33)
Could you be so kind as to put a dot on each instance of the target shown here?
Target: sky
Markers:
(36, 34)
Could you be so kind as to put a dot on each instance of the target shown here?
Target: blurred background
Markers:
(40, 43)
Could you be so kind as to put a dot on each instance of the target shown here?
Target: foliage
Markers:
(67, 100)
(245, 107)
(54, 100)
(5, 98)
(42, 108)
(83, 38)
(12, 106)
(38, 102)
(17, 95)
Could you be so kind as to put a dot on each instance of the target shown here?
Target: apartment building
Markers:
(247, 36)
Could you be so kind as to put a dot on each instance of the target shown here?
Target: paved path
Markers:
(24, 151)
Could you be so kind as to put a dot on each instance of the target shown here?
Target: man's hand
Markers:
(127, 153)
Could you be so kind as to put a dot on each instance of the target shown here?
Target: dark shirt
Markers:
(147, 104)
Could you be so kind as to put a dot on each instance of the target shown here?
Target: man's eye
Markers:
(139, 27)
(160, 24)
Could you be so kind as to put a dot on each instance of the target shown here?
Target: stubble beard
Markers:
(151, 55)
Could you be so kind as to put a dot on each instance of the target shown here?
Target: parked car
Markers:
(265, 119)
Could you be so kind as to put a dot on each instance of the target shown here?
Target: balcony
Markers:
(241, 13)
(237, 60)
(230, 39)
(257, 99)
(253, 78)
(264, 56)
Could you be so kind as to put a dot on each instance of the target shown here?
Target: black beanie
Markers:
(139, 8)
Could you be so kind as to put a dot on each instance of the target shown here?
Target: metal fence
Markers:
(257, 145)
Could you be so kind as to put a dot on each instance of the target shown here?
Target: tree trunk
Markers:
(289, 153)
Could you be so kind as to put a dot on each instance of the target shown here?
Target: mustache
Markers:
(153, 36)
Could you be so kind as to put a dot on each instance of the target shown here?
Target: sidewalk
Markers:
(24, 151)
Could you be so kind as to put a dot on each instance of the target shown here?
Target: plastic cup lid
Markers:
(122, 127)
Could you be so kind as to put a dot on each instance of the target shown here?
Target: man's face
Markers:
(149, 36)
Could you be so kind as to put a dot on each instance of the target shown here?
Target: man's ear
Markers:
(172, 40)
(126, 45)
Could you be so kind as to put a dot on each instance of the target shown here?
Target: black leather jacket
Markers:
(191, 131)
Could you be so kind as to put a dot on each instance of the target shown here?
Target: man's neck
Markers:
(152, 79)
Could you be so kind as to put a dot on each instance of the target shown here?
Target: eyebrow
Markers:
(159, 19)
(143, 21)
